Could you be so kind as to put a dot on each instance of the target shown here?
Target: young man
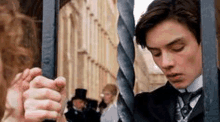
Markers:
(170, 29)
(76, 113)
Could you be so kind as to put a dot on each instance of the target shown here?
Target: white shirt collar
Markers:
(76, 108)
(196, 84)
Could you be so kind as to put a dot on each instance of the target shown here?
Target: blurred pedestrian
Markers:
(69, 105)
(77, 113)
(91, 111)
(110, 113)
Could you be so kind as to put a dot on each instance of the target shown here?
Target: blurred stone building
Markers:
(148, 76)
(87, 51)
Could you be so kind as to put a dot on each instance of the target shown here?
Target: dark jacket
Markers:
(160, 106)
(75, 116)
(92, 115)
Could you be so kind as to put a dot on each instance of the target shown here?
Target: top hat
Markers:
(92, 104)
(80, 94)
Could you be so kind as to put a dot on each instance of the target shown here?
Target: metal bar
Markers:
(49, 39)
(126, 75)
(210, 70)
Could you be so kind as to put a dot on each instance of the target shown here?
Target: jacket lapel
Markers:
(199, 108)
(170, 103)
(167, 102)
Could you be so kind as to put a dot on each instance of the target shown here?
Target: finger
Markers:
(32, 73)
(23, 78)
(15, 80)
(20, 77)
(43, 82)
(36, 71)
(17, 76)
(60, 82)
(42, 93)
(49, 105)
(40, 115)
(25, 74)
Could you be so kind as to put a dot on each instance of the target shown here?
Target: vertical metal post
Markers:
(126, 75)
(49, 39)
(210, 70)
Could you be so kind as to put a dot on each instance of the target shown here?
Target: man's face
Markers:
(79, 104)
(176, 51)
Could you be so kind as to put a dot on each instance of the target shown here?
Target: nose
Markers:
(167, 61)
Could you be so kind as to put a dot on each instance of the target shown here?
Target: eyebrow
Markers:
(177, 40)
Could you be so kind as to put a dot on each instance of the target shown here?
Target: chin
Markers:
(180, 85)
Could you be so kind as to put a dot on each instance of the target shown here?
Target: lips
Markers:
(174, 76)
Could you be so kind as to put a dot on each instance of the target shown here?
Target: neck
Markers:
(194, 86)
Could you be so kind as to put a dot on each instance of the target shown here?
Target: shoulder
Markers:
(145, 103)
(145, 96)
(70, 111)
(113, 108)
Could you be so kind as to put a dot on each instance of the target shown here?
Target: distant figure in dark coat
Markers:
(69, 105)
(91, 114)
(76, 113)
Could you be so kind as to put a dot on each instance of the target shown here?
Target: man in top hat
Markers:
(76, 113)
(91, 114)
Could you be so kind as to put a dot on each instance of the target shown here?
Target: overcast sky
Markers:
(140, 7)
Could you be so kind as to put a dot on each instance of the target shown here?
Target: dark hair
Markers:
(186, 12)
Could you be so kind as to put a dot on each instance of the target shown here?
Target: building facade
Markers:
(87, 51)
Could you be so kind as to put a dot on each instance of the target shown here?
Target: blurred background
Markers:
(87, 46)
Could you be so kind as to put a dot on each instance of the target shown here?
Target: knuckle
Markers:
(49, 114)
(59, 97)
(26, 104)
(27, 115)
(29, 104)
(48, 104)
(55, 114)
(26, 94)
(37, 80)
(46, 92)
(25, 86)
(45, 114)
(59, 108)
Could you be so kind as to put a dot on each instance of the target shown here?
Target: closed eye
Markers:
(155, 53)
(177, 48)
